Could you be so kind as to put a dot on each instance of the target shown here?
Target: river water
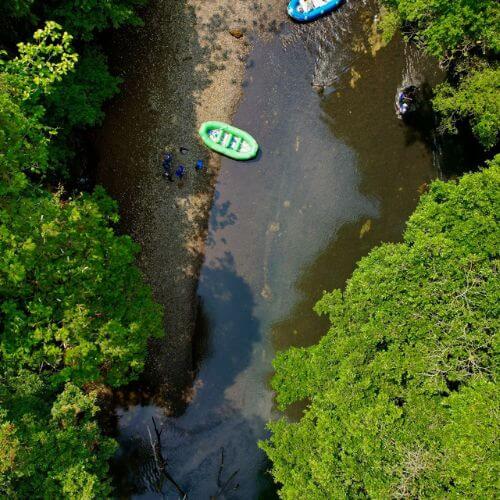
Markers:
(338, 173)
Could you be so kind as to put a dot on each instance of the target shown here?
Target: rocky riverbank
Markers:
(183, 66)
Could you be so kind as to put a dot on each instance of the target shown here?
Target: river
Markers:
(338, 173)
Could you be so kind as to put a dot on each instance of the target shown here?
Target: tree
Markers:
(25, 81)
(76, 103)
(92, 16)
(74, 312)
(53, 451)
(450, 29)
(72, 303)
(477, 98)
(23, 143)
(82, 18)
(464, 36)
(41, 64)
(67, 91)
(401, 390)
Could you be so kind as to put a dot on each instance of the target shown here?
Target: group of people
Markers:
(180, 170)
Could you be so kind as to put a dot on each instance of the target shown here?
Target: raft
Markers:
(296, 11)
(228, 140)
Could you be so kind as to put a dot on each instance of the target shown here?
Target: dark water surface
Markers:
(338, 173)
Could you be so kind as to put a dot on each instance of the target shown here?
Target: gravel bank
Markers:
(184, 66)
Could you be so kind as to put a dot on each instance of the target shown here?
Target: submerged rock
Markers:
(236, 32)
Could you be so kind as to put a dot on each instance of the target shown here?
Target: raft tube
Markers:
(228, 140)
(295, 12)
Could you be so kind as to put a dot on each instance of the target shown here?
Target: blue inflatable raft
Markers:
(309, 10)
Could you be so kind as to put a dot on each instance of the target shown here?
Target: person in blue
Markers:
(199, 165)
(167, 164)
(180, 172)
(406, 99)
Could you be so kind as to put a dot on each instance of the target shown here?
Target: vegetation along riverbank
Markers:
(75, 314)
(401, 391)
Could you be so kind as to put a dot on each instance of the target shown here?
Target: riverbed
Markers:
(337, 174)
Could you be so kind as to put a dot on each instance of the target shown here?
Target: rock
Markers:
(236, 32)
(319, 89)
(365, 228)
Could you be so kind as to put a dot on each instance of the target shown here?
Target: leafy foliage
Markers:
(42, 63)
(85, 17)
(453, 28)
(73, 305)
(79, 86)
(53, 451)
(459, 32)
(76, 102)
(16, 8)
(24, 81)
(82, 18)
(476, 98)
(403, 401)
(74, 312)
(23, 143)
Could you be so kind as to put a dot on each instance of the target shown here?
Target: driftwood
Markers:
(224, 486)
(161, 465)
(161, 462)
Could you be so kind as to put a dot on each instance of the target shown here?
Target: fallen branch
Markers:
(223, 487)
(161, 462)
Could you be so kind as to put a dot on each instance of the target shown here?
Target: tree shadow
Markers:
(218, 415)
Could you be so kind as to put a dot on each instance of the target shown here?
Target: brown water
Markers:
(337, 174)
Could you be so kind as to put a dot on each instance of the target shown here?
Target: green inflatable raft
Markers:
(229, 140)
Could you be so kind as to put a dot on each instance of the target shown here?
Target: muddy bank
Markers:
(182, 67)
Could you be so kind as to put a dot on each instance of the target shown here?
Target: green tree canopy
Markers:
(23, 143)
(477, 98)
(74, 312)
(72, 304)
(24, 81)
(448, 29)
(461, 32)
(82, 18)
(42, 62)
(52, 451)
(403, 401)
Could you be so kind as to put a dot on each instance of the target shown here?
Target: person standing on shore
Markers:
(180, 172)
(167, 164)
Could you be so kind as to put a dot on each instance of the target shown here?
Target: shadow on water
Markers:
(214, 419)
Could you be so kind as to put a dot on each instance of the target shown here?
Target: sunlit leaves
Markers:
(465, 36)
(477, 98)
(43, 62)
(448, 29)
(73, 294)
